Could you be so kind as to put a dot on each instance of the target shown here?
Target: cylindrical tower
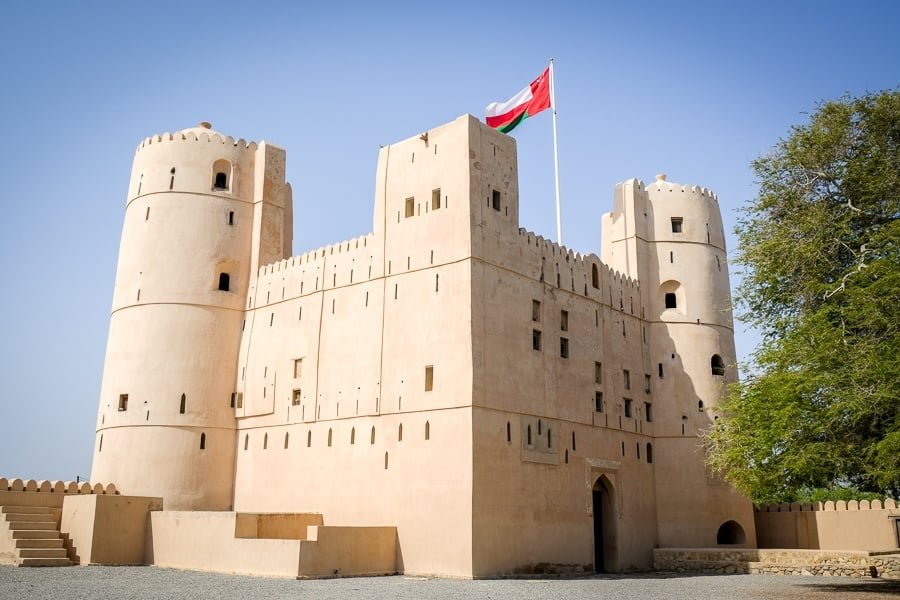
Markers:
(688, 299)
(166, 425)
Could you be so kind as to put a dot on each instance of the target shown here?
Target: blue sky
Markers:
(692, 89)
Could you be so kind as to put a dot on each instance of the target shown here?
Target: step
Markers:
(22, 510)
(42, 553)
(35, 534)
(45, 562)
(40, 543)
(37, 517)
(32, 525)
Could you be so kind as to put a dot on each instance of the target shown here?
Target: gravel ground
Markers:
(151, 582)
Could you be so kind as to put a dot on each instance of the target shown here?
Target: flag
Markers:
(527, 103)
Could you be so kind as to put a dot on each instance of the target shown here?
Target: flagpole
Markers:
(559, 238)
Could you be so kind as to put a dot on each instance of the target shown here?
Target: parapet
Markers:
(830, 505)
(55, 487)
(202, 133)
(662, 185)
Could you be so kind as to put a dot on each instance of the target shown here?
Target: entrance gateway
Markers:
(604, 511)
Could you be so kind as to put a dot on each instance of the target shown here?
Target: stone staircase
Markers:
(32, 534)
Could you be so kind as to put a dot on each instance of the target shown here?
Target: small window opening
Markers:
(646, 384)
(400, 433)
(717, 365)
(224, 282)
(410, 207)
(221, 181)
(598, 401)
(648, 412)
(536, 311)
(549, 438)
(233, 398)
(123, 402)
(203, 441)
(573, 441)
(286, 440)
(595, 277)
(528, 436)
(659, 367)
(295, 398)
(508, 433)
(231, 217)
(266, 441)
(535, 339)
(353, 436)
(700, 406)
(385, 461)
(298, 367)
(495, 200)
(100, 447)
(676, 224)
(649, 453)
(628, 408)
(308, 439)
(564, 320)
(147, 218)
(435, 199)
(372, 436)
(564, 347)
(172, 178)
(427, 430)
(598, 372)
(429, 378)
(671, 302)
(626, 379)
(567, 457)
(246, 440)
(181, 407)
(329, 437)
(540, 427)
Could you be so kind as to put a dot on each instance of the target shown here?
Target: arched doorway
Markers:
(605, 559)
(731, 533)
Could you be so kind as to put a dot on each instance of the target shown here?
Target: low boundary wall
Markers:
(840, 525)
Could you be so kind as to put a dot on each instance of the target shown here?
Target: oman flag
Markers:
(527, 103)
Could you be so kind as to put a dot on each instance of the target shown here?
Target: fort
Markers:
(448, 394)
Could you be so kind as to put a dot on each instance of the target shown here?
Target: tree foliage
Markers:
(820, 257)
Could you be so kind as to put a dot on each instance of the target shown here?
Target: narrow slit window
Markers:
(649, 453)
(598, 401)
(595, 277)
(429, 378)
(659, 367)
(564, 347)
(564, 320)
(329, 437)
(172, 178)
(203, 441)
(372, 436)
(508, 433)
(528, 438)
(598, 373)
(246, 440)
(626, 379)
(427, 430)
(536, 311)
(183, 402)
(231, 217)
(646, 384)
(495, 200)
(286, 440)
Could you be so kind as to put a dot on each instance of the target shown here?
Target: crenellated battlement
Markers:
(696, 190)
(55, 487)
(829, 505)
(190, 135)
(344, 248)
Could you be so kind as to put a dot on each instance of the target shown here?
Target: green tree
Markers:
(820, 257)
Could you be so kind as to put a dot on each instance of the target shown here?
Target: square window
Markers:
(564, 347)
(295, 398)
(536, 311)
(564, 320)
(495, 200)
(435, 199)
(535, 339)
(676, 224)
(123, 402)
(598, 401)
(628, 407)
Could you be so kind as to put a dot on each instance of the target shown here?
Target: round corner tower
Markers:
(199, 221)
(671, 238)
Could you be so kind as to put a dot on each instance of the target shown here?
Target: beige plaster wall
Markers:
(107, 530)
(829, 526)
(338, 551)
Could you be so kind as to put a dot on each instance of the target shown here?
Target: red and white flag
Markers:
(527, 103)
